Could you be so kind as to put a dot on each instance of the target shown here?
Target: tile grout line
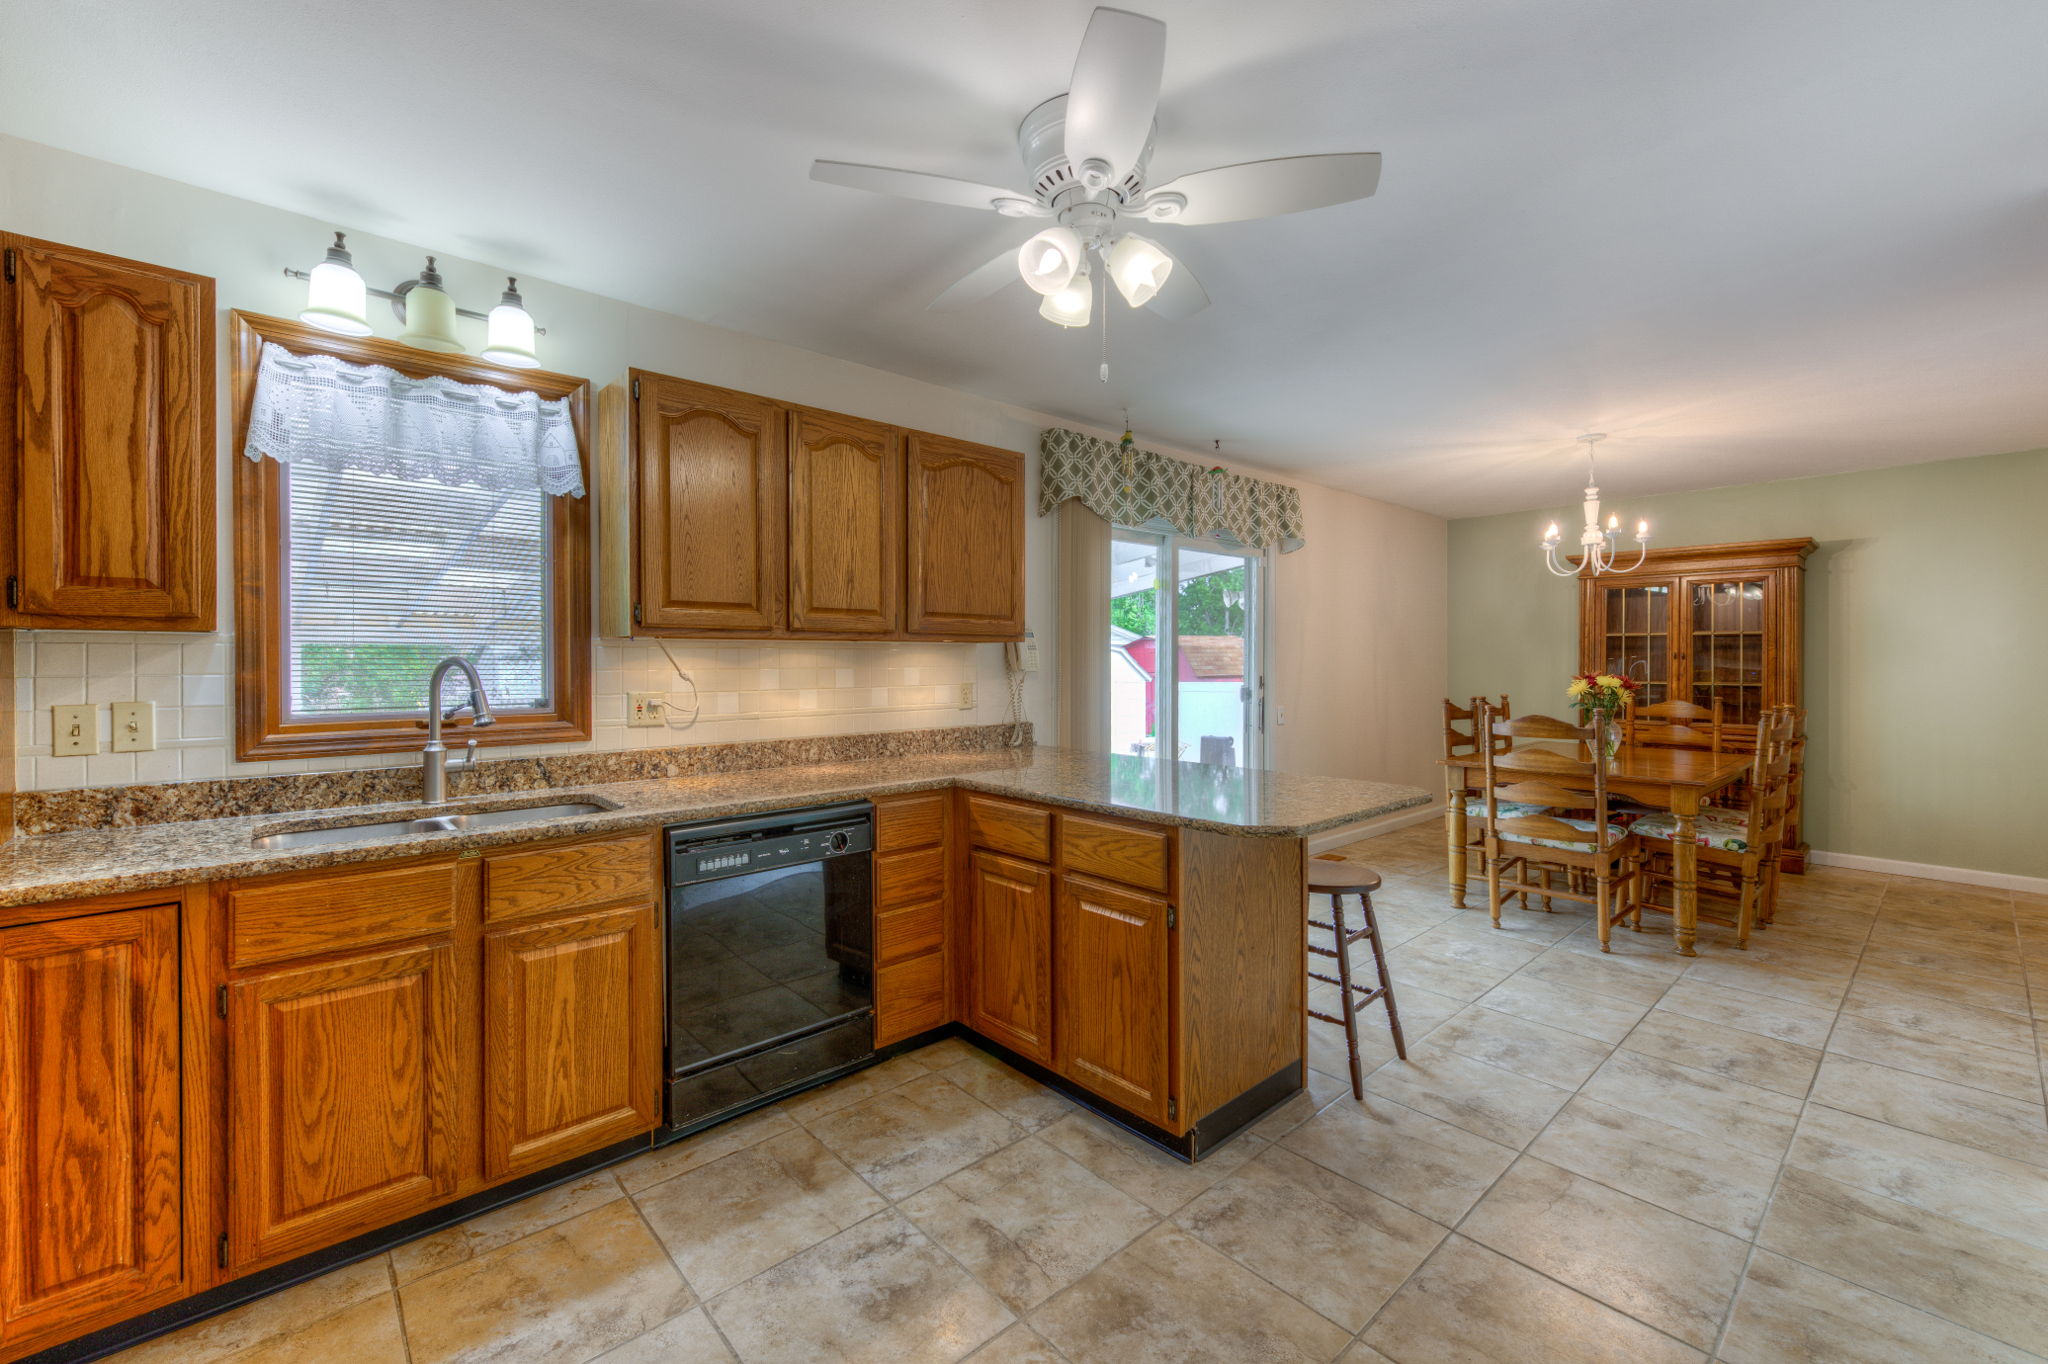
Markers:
(1785, 1160)
(398, 1305)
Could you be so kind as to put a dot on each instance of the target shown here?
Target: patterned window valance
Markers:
(1145, 489)
(325, 410)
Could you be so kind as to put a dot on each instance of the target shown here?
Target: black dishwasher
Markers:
(770, 957)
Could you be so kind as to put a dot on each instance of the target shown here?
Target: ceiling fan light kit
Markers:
(1088, 153)
(1072, 305)
(1049, 260)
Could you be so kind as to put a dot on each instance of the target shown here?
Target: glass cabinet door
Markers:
(1726, 620)
(1638, 637)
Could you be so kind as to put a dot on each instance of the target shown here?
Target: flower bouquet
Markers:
(1602, 695)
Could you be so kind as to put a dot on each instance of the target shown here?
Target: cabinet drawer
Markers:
(910, 998)
(906, 822)
(1116, 852)
(908, 878)
(517, 884)
(1009, 827)
(907, 932)
(279, 920)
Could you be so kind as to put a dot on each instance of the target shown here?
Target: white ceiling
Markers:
(1751, 239)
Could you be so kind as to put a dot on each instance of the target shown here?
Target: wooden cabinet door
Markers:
(89, 1121)
(572, 1036)
(341, 1099)
(112, 365)
(1110, 994)
(1009, 970)
(845, 525)
(964, 539)
(709, 527)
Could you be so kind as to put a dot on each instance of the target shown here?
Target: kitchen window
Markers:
(374, 543)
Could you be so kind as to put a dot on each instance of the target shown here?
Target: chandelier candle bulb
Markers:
(1596, 543)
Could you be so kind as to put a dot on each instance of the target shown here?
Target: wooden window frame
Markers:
(263, 728)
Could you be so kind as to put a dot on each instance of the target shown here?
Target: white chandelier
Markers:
(1596, 543)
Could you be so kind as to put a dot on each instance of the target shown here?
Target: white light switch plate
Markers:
(134, 726)
(74, 730)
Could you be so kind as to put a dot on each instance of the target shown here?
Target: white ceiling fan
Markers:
(1087, 152)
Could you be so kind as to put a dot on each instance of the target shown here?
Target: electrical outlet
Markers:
(643, 709)
(967, 696)
(74, 730)
(134, 726)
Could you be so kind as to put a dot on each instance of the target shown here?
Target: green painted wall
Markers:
(1926, 643)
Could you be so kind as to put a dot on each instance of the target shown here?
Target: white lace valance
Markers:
(317, 408)
(1143, 488)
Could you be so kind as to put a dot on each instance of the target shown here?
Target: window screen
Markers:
(387, 576)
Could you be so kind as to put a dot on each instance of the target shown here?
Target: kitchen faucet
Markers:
(434, 757)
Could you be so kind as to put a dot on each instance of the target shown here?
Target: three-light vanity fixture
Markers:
(338, 300)
(1596, 542)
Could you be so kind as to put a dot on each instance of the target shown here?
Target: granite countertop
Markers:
(40, 867)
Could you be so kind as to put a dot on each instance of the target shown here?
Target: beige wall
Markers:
(748, 691)
(1926, 643)
(1357, 643)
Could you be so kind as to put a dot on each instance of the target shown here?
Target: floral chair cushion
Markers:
(1719, 829)
(1509, 809)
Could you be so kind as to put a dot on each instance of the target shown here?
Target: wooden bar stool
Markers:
(1338, 879)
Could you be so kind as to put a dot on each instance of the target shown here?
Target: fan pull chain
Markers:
(1104, 309)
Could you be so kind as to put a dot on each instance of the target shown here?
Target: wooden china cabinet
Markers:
(1707, 623)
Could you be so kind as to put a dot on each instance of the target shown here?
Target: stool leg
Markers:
(1379, 961)
(1350, 999)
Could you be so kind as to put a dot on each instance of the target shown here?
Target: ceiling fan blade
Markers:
(1113, 94)
(983, 281)
(1182, 296)
(1267, 189)
(934, 189)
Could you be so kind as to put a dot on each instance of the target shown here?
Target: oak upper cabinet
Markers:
(571, 1001)
(964, 540)
(709, 533)
(1111, 994)
(1009, 968)
(845, 525)
(90, 1160)
(108, 454)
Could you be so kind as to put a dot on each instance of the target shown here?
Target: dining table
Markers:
(1676, 779)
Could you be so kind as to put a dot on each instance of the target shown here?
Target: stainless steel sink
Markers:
(428, 824)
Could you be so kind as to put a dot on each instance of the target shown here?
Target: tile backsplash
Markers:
(745, 691)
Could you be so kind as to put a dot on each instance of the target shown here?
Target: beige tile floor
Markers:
(1829, 1148)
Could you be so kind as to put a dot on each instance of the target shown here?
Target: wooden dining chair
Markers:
(1675, 724)
(1738, 851)
(1463, 726)
(1532, 824)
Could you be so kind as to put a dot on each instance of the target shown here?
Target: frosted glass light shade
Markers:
(1071, 306)
(430, 314)
(1139, 268)
(508, 335)
(1048, 261)
(335, 296)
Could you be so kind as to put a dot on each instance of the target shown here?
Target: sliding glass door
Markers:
(1185, 674)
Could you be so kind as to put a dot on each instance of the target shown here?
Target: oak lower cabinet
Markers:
(1009, 947)
(107, 460)
(572, 1025)
(1112, 1000)
(913, 875)
(90, 1123)
(342, 1112)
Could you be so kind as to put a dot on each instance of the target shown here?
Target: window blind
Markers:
(388, 575)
